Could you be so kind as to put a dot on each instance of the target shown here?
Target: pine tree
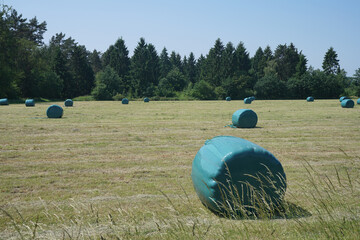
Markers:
(286, 58)
(214, 64)
(241, 60)
(165, 64)
(331, 63)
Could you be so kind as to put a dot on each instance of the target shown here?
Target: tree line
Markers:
(65, 69)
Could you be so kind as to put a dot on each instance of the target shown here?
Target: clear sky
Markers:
(185, 26)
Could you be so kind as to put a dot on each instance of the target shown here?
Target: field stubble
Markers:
(123, 171)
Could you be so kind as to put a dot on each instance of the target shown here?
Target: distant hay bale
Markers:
(68, 103)
(54, 111)
(4, 101)
(228, 98)
(30, 103)
(358, 101)
(229, 172)
(146, 99)
(244, 118)
(310, 99)
(125, 101)
(343, 98)
(247, 100)
(347, 103)
(252, 98)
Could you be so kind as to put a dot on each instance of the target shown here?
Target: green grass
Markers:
(112, 171)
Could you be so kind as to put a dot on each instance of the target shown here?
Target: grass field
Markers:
(112, 171)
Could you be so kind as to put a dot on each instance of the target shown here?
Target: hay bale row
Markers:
(347, 103)
(68, 103)
(309, 99)
(244, 118)
(4, 101)
(30, 103)
(227, 167)
(54, 111)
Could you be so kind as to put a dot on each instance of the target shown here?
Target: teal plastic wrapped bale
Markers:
(343, 98)
(358, 101)
(228, 98)
(310, 99)
(125, 101)
(68, 103)
(146, 99)
(247, 100)
(252, 98)
(54, 111)
(4, 101)
(244, 118)
(232, 173)
(347, 103)
(29, 103)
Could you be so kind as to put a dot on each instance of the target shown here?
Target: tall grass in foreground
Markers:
(332, 216)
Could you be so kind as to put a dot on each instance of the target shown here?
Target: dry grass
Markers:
(107, 170)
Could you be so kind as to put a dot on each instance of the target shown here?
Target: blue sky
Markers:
(193, 25)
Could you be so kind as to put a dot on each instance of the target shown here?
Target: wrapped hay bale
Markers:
(247, 100)
(244, 118)
(228, 98)
(231, 174)
(358, 101)
(347, 103)
(4, 101)
(146, 99)
(68, 103)
(29, 103)
(252, 98)
(310, 99)
(125, 101)
(343, 98)
(54, 111)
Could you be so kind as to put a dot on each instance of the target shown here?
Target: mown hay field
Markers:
(112, 171)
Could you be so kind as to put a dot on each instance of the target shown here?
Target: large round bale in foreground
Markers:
(247, 100)
(54, 111)
(343, 98)
(230, 172)
(29, 103)
(146, 99)
(228, 98)
(4, 101)
(125, 101)
(244, 118)
(310, 99)
(347, 103)
(68, 103)
(358, 101)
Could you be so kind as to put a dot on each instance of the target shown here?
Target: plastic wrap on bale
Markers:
(228, 98)
(29, 103)
(347, 103)
(247, 100)
(146, 99)
(343, 98)
(310, 99)
(68, 103)
(4, 101)
(125, 101)
(244, 118)
(230, 171)
(358, 101)
(54, 111)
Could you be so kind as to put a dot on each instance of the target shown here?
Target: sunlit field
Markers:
(112, 171)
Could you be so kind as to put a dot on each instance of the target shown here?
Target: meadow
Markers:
(112, 171)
